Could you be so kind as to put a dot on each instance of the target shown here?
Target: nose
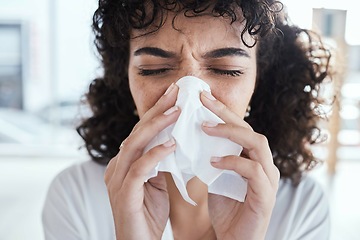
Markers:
(191, 67)
(194, 74)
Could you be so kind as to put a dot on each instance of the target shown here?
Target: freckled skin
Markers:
(187, 53)
(189, 47)
(211, 49)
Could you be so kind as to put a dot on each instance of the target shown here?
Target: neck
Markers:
(187, 221)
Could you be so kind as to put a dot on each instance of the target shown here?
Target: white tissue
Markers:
(194, 148)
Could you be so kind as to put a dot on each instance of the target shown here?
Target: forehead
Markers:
(205, 29)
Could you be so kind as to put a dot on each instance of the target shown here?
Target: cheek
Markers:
(235, 101)
(143, 102)
(235, 96)
(145, 95)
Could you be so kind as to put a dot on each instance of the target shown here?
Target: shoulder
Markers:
(307, 187)
(76, 199)
(301, 211)
(78, 182)
(303, 198)
(83, 169)
(79, 179)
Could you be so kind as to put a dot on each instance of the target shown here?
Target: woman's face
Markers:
(205, 47)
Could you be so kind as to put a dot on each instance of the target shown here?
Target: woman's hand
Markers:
(232, 219)
(141, 210)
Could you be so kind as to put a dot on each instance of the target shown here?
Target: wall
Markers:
(59, 60)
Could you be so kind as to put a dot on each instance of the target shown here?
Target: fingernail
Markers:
(169, 143)
(215, 159)
(171, 110)
(209, 124)
(208, 95)
(171, 87)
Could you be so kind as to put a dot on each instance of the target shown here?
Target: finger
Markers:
(251, 170)
(140, 169)
(110, 169)
(135, 143)
(221, 110)
(138, 140)
(256, 145)
(166, 101)
(159, 182)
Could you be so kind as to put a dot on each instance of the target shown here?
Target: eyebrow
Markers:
(226, 52)
(217, 53)
(153, 51)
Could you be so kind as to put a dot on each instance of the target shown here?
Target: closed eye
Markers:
(232, 73)
(150, 72)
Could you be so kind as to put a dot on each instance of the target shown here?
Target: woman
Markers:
(264, 74)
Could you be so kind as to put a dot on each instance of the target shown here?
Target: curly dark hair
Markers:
(292, 63)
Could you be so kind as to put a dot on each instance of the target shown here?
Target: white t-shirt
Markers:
(77, 207)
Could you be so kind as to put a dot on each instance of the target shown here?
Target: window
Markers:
(11, 68)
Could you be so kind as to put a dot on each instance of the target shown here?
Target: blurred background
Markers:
(47, 60)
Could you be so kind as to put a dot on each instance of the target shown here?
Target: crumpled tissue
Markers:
(194, 148)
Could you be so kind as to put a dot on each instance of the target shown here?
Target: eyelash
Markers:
(150, 72)
(232, 73)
